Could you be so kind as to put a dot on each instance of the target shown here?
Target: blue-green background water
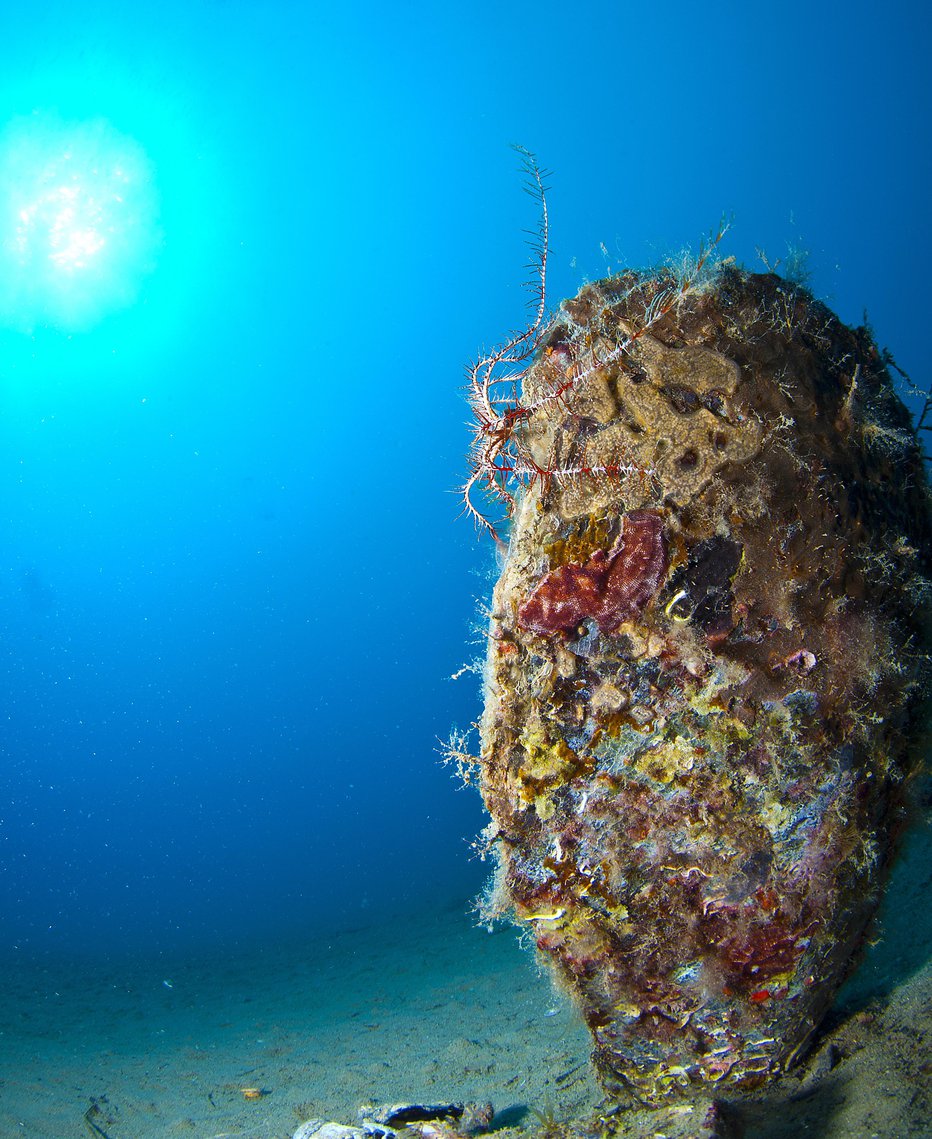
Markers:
(233, 584)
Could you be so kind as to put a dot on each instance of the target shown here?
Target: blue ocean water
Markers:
(233, 586)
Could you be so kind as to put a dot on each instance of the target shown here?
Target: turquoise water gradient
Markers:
(233, 585)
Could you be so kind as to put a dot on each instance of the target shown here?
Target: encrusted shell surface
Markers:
(695, 793)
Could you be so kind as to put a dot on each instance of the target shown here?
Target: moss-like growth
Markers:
(697, 791)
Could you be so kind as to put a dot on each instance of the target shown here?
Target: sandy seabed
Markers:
(435, 1009)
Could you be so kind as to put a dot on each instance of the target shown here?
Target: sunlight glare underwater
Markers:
(79, 221)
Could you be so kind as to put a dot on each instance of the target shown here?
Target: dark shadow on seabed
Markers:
(808, 1114)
